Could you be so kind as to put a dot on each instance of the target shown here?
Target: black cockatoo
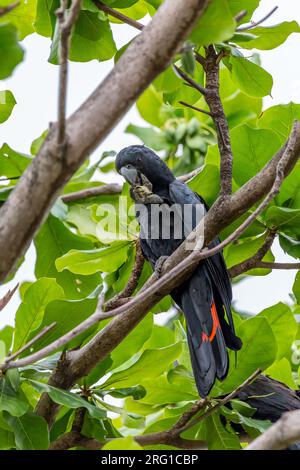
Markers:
(205, 298)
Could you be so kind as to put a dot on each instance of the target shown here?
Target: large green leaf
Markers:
(31, 431)
(284, 219)
(162, 392)
(107, 259)
(207, 183)
(133, 342)
(7, 439)
(149, 105)
(218, 437)
(255, 333)
(22, 16)
(150, 364)
(280, 119)
(290, 245)
(236, 6)
(7, 103)
(250, 77)
(66, 314)
(215, 25)
(281, 370)
(54, 240)
(12, 163)
(269, 37)
(91, 39)
(11, 52)
(30, 313)
(68, 399)
(6, 335)
(236, 253)
(252, 149)
(10, 400)
(284, 326)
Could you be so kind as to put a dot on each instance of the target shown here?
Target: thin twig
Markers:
(221, 402)
(66, 23)
(214, 102)
(253, 261)
(28, 345)
(4, 301)
(116, 14)
(238, 18)
(189, 80)
(112, 188)
(188, 415)
(8, 8)
(269, 265)
(257, 23)
(132, 281)
(195, 108)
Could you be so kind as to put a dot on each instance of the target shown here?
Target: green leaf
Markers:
(236, 253)
(281, 370)
(107, 259)
(215, 25)
(10, 400)
(283, 218)
(7, 440)
(150, 364)
(12, 163)
(66, 314)
(250, 77)
(6, 335)
(280, 119)
(269, 37)
(54, 240)
(133, 342)
(31, 431)
(296, 287)
(219, 438)
(22, 16)
(91, 39)
(284, 326)
(68, 399)
(207, 183)
(7, 103)
(290, 245)
(255, 334)
(167, 81)
(149, 105)
(122, 443)
(236, 6)
(11, 52)
(252, 149)
(2, 351)
(30, 313)
(148, 136)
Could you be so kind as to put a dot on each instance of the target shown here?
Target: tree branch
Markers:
(253, 261)
(213, 100)
(257, 23)
(269, 265)
(284, 432)
(66, 21)
(145, 58)
(4, 301)
(8, 8)
(116, 14)
(132, 281)
(220, 403)
(112, 188)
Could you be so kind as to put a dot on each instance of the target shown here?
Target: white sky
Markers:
(34, 85)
